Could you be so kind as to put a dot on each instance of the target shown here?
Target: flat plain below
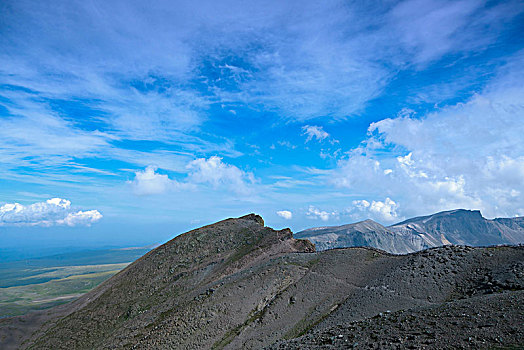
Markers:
(41, 283)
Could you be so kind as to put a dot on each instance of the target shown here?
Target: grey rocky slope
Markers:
(366, 233)
(239, 285)
(486, 322)
(459, 227)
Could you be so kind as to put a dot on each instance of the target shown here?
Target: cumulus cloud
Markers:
(386, 210)
(204, 172)
(149, 182)
(80, 218)
(54, 211)
(315, 213)
(314, 132)
(468, 155)
(213, 171)
(286, 214)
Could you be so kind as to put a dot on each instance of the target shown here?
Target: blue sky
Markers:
(123, 123)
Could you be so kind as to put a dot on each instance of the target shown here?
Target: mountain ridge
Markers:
(237, 284)
(466, 212)
(458, 227)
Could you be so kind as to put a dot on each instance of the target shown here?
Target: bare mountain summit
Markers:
(236, 284)
(366, 233)
(458, 227)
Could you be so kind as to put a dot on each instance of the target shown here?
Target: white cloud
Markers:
(315, 213)
(286, 214)
(201, 171)
(214, 172)
(80, 218)
(386, 209)
(149, 182)
(470, 155)
(54, 211)
(361, 204)
(382, 211)
(314, 132)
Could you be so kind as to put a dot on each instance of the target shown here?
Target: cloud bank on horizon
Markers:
(52, 212)
(335, 111)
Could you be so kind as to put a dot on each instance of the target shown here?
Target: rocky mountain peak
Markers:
(461, 213)
(456, 214)
(253, 217)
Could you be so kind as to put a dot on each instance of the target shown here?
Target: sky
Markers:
(126, 122)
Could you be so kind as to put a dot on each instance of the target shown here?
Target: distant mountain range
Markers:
(457, 227)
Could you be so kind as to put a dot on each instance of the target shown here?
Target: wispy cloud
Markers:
(429, 29)
(314, 132)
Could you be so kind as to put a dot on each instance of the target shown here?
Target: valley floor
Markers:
(67, 283)
(40, 283)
